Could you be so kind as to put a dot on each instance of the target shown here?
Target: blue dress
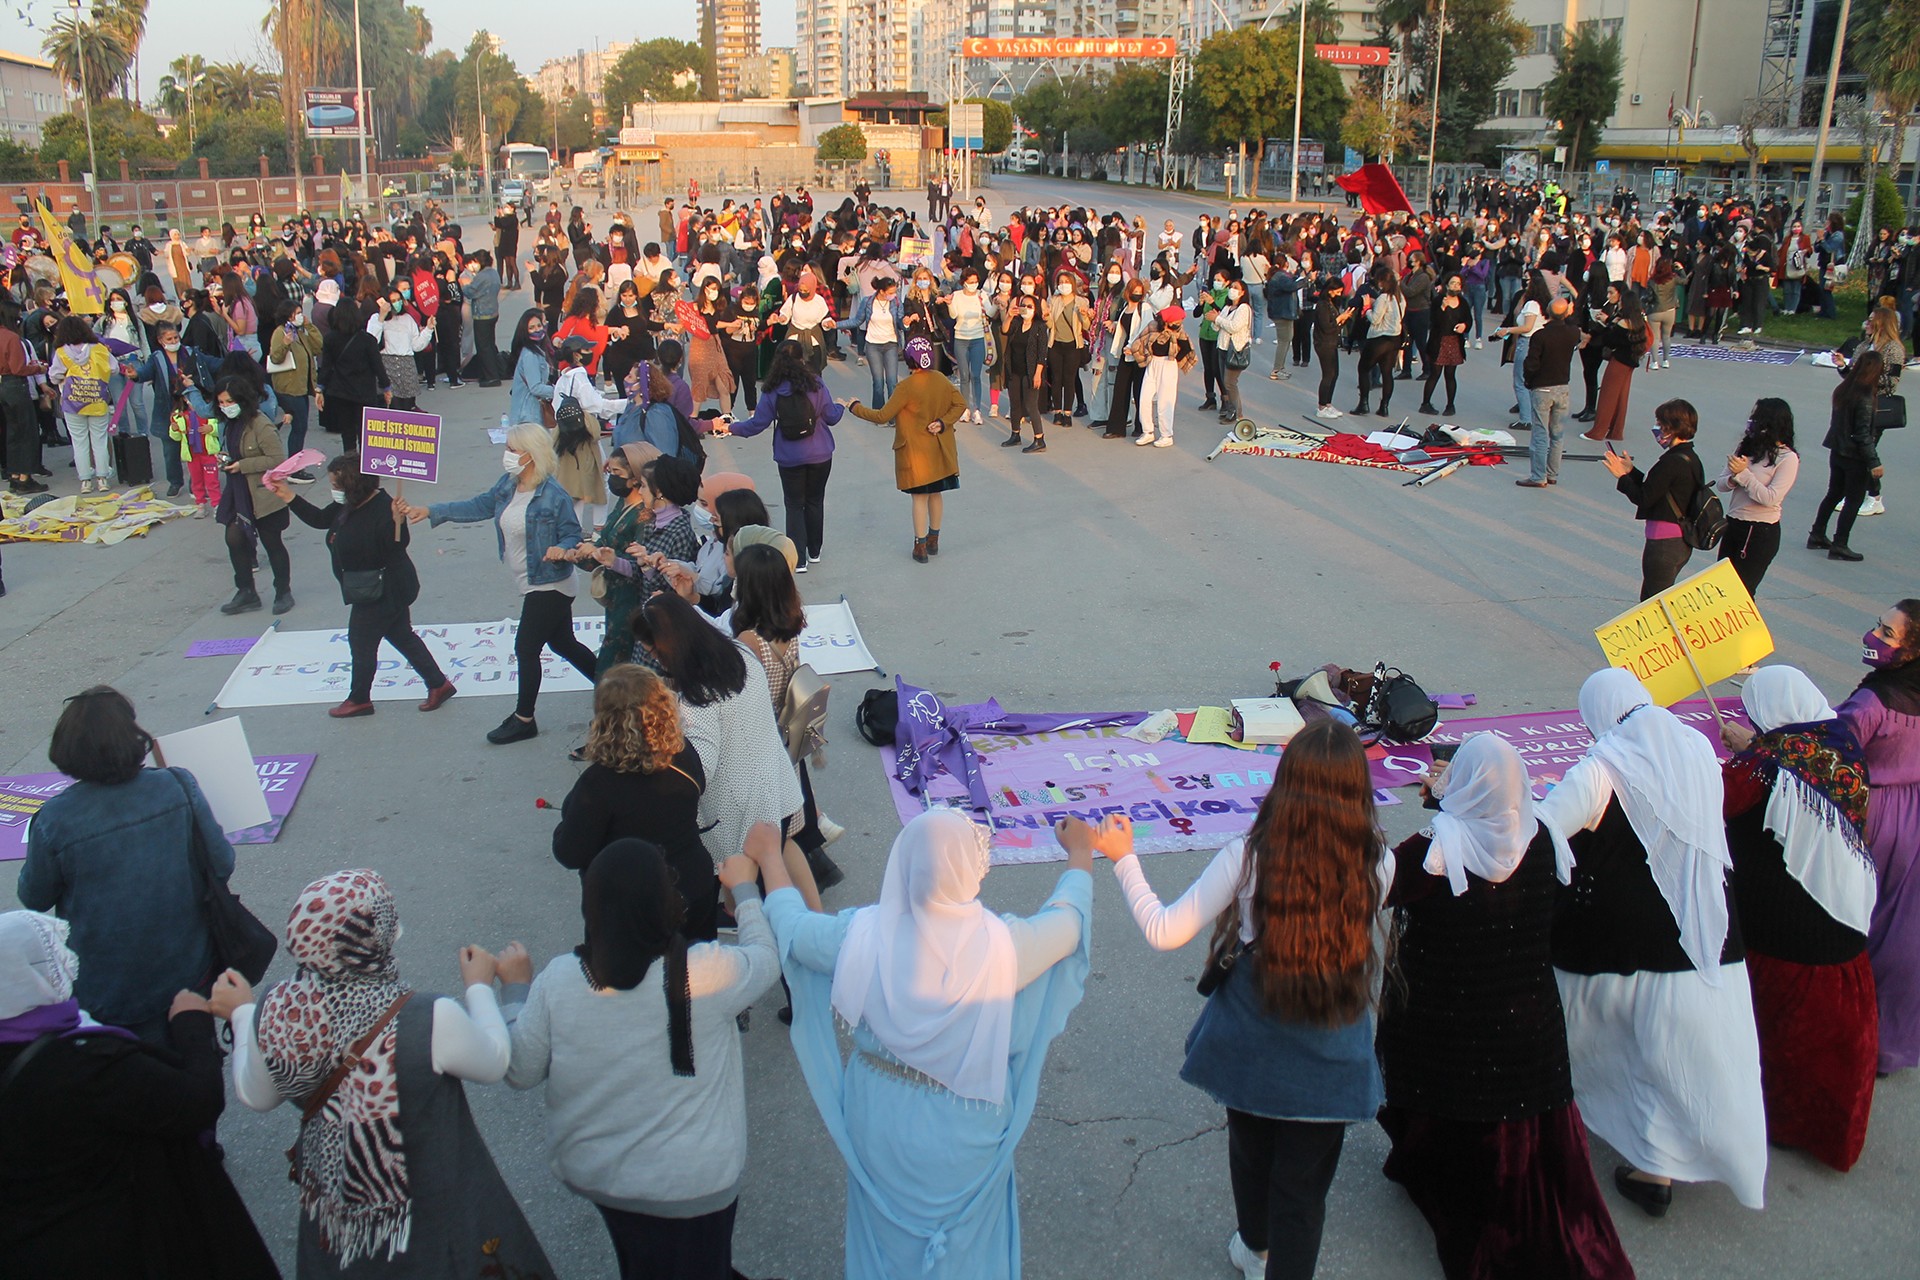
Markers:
(958, 1217)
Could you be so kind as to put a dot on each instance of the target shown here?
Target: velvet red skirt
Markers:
(1819, 1040)
(1506, 1199)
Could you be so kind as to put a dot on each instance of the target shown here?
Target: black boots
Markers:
(245, 600)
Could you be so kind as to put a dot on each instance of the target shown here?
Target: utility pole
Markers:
(1433, 97)
(86, 99)
(480, 109)
(1299, 94)
(360, 104)
(1813, 209)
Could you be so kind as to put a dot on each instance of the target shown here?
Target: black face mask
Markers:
(618, 485)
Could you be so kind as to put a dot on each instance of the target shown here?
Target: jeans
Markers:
(268, 529)
(1846, 480)
(883, 366)
(970, 354)
(1520, 393)
(367, 626)
(1477, 303)
(1209, 369)
(1751, 546)
(646, 1247)
(1230, 388)
(1282, 346)
(1661, 561)
(1792, 301)
(1552, 410)
(297, 408)
(546, 622)
(1509, 290)
(486, 347)
(804, 490)
(1281, 1172)
(92, 457)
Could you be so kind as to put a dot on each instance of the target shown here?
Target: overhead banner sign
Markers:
(1354, 55)
(1065, 47)
(1690, 635)
(332, 113)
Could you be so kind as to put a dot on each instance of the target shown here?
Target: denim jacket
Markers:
(115, 863)
(532, 385)
(863, 312)
(550, 523)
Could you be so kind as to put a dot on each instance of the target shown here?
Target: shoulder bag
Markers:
(803, 715)
(1890, 413)
(240, 941)
(312, 1104)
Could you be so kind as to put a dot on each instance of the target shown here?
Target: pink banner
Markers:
(1551, 741)
(1180, 795)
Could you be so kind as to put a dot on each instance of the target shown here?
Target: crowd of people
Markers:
(1691, 958)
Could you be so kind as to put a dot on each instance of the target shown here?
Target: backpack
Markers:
(793, 416)
(803, 716)
(692, 451)
(1704, 520)
(878, 716)
(1397, 708)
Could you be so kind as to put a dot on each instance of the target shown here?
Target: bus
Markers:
(526, 165)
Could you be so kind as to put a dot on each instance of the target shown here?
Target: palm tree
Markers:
(179, 86)
(127, 19)
(90, 56)
(236, 86)
(1885, 43)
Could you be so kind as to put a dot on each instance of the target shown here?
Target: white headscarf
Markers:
(1823, 849)
(1668, 781)
(1486, 819)
(931, 971)
(36, 968)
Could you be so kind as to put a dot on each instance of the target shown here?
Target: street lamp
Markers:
(1433, 97)
(480, 109)
(80, 60)
(360, 105)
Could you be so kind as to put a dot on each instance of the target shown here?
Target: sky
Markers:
(227, 30)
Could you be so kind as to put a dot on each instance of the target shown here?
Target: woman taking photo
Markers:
(642, 782)
(352, 376)
(394, 1177)
(112, 856)
(1285, 1040)
(1385, 317)
(377, 581)
(1486, 1138)
(533, 522)
(1663, 496)
(926, 458)
(1648, 955)
(253, 514)
(634, 1034)
(1853, 456)
(1624, 338)
(795, 402)
(1883, 714)
(952, 1009)
(1804, 884)
(1758, 475)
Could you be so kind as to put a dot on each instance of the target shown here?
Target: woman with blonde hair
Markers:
(643, 781)
(1285, 1040)
(1883, 335)
(534, 522)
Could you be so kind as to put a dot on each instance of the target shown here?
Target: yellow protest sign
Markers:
(1694, 633)
(85, 296)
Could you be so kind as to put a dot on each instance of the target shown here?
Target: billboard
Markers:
(332, 113)
(1354, 55)
(966, 127)
(1063, 47)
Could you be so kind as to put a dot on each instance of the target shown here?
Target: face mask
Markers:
(1875, 652)
(971, 286)
(406, 293)
(170, 347)
(536, 334)
(229, 410)
(619, 486)
(1066, 287)
(1113, 277)
(1027, 289)
(512, 463)
(119, 305)
(337, 496)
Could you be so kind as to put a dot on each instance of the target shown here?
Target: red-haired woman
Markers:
(1285, 1041)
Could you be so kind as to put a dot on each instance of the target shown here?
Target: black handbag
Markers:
(240, 941)
(363, 586)
(1398, 708)
(1890, 413)
(1219, 968)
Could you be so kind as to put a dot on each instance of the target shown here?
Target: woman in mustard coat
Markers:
(926, 461)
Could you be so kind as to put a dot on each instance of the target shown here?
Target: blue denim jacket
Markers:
(532, 386)
(115, 862)
(550, 523)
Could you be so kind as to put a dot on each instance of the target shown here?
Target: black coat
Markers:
(1850, 432)
(1676, 475)
(102, 1167)
(363, 538)
(351, 369)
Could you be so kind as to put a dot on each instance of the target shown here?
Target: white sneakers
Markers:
(201, 511)
(1666, 364)
(1873, 507)
(1251, 1265)
(1164, 442)
(1327, 411)
(1142, 441)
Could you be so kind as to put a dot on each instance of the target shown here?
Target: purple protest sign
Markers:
(1035, 770)
(232, 647)
(1551, 742)
(399, 444)
(281, 780)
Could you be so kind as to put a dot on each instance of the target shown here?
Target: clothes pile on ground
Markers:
(99, 519)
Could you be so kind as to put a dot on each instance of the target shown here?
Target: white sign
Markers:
(217, 756)
(632, 137)
(290, 668)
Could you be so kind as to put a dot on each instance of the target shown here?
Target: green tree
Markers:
(1884, 41)
(1482, 39)
(996, 123)
(842, 142)
(668, 70)
(1380, 130)
(1585, 90)
(1888, 208)
(481, 71)
(314, 40)
(127, 19)
(1243, 81)
(412, 142)
(90, 56)
(120, 130)
(17, 164)
(237, 86)
(1134, 105)
(232, 142)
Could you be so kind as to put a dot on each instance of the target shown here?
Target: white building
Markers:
(585, 72)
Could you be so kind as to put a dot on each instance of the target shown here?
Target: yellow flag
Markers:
(85, 294)
(1690, 635)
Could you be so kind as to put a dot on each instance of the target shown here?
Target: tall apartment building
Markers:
(768, 74)
(31, 93)
(1357, 17)
(732, 30)
(879, 56)
(585, 72)
(820, 46)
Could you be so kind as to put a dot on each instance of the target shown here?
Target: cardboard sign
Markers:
(915, 249)
(400, 445)
(1694, 633)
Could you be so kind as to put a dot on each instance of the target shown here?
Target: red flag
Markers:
(1378, 189)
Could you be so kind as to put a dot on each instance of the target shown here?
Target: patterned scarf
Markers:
(353, 1168)
(1816, 778)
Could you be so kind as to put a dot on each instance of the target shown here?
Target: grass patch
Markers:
(1809, 330)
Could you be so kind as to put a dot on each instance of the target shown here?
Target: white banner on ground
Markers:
(289, 668)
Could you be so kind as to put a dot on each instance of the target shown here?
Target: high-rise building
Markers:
(585, 73)
(820, 47)
(880, 45)
(730, 30)
(768, 74)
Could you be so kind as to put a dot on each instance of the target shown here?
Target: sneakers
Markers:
(512, 729)
(1143, 440)
(1666, 364)
(1251, 1265)
(1873, 507)
(829, 829)
(1164, 442)
(306, 477)
(801, 567)
(1328, 412)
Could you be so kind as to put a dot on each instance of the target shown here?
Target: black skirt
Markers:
(938, 486)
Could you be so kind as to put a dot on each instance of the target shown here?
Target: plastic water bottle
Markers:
(503, 424)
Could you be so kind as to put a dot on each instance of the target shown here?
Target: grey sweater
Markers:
(622, 1129)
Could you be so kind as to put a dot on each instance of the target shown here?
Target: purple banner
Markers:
(229, 648)
(1552, 741)
(1033, 771)
(281, 780)
(399, 444)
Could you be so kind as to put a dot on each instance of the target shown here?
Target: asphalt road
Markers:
(1098, 576)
